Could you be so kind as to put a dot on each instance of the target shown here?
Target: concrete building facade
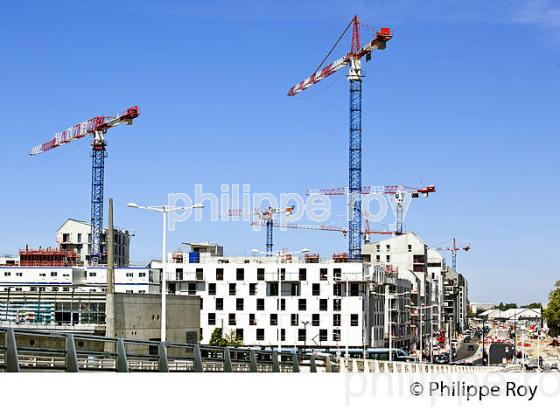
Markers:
(268, 302)
(75, 236)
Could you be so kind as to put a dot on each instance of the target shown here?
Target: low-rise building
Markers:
(75, 236)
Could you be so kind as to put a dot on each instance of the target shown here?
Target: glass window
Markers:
(315, 319)
(336, 319)
(294, 319)
(316, 289)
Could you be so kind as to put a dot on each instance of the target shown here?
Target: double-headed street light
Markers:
(164, 210)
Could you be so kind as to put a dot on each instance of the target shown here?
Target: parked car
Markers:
(442, 358)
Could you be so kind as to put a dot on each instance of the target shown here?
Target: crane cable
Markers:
(334, 46)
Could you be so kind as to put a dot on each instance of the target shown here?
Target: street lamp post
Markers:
(388, 296)
(421, 342)
(164, 210)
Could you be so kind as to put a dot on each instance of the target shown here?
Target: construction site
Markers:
(386, 289)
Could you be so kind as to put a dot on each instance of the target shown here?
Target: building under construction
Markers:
(47, 257)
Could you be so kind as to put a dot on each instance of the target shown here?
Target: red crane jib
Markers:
(99, 123)
(382, 36)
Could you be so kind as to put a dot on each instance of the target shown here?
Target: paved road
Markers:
(464, 353)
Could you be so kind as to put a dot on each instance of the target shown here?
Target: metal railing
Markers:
(24, 350)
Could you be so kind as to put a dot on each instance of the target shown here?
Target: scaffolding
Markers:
(47, 257)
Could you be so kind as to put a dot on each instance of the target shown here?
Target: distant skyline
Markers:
(465, 97)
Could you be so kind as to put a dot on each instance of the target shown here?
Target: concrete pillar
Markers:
(197, 359)
(295, 364)
(312, 364)
(376, 367)
(227, 361)
(253, 368)
(366, 366)
(71, 356)
(342, 367)
(355, 366)
(110, 294)
(328, 364)
(12, 358)
(275, 362)
(163, 365)
(122, 362)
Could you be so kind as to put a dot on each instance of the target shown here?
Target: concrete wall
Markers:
(139, 317)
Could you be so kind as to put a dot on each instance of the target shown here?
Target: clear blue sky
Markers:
(465, 97)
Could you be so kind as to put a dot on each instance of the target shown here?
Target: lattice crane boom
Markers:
(454, 248)
(397, 192)
(266, 218)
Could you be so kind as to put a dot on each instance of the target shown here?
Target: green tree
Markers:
(552, 312)
(505, 306)
(231, 339)
(217, 339)
(534, 305)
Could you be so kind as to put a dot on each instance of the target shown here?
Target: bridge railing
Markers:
(24, 350)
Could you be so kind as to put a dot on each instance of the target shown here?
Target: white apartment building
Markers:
(65, 298)
(68, 278)
(439, 294)
(269, 302)
(75, 235)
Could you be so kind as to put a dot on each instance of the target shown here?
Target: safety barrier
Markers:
(23, 350)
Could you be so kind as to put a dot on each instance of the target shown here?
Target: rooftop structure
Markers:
(47, 257)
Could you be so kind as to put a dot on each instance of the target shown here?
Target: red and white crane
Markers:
(352, 59)
(454, 248)
(266, 218)
(96, 126)
(398, 193)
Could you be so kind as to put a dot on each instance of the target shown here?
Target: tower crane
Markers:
(353, 59)
(398, 193)
(343, 230)
(266, 218)
(97, 127)
(454, 248)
